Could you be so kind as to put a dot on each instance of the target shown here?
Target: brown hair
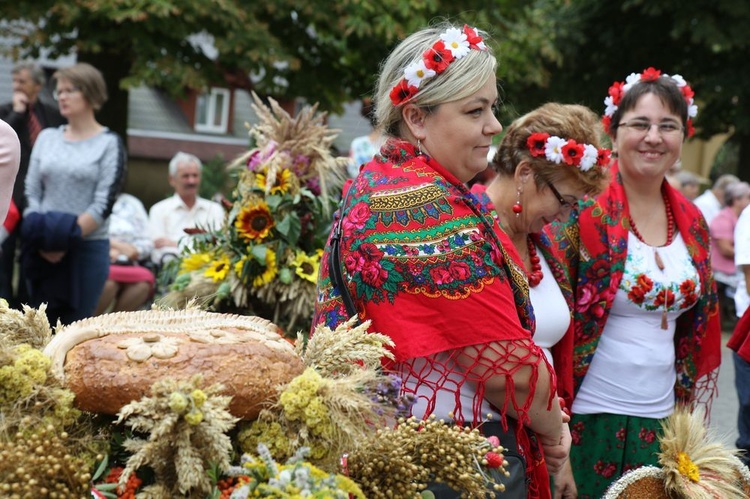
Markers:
(664, 88)
(89, 81)
(569, 121)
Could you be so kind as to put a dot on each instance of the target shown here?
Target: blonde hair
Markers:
(88, 80)
(461, 79)
(569, 121)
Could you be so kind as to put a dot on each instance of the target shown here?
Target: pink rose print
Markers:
(441, 275)
(374, 274)
(621, 434)
(460, 271)
(356, 218)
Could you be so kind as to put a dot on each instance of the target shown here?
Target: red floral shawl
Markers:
(591, 249)
(423, 262)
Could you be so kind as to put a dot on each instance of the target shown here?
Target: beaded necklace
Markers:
(657, 257)
(536, 275)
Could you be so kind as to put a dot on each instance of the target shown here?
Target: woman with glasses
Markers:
(646, 332)
(75, 174)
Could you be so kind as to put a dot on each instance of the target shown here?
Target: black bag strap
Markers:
(334, 261)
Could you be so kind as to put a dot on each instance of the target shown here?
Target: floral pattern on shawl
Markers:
(424, 260)
(593, 248)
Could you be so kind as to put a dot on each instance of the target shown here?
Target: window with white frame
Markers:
(212, 111)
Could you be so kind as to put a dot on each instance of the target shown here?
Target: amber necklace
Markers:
(657, 257)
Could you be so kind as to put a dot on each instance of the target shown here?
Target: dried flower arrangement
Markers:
(264, 260)
(187, 429)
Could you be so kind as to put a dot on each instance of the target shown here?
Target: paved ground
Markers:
(724, 410)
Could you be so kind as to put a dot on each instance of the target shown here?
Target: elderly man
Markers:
(712, 200)
(169, 218)
(28, 115)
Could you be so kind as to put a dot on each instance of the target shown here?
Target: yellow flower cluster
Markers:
(301, 402)
(180, 402)
(29, 369)
(687, 468)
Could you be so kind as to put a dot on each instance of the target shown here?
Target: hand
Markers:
(556, 453)
(52, 256)
(565, 484)
(162, 242)
(20, 102)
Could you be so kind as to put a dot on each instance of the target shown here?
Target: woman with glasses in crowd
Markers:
(548, 160)
(75, 174)
(646, 332)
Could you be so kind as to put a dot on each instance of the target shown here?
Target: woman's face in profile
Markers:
(458, 134)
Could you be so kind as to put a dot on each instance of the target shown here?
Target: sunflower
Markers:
(254, 222)
(219, 269)
(307, 266)
(194, 261)
(269, 273)
(282, 184)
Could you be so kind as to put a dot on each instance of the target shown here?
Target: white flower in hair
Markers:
(456, 41)
(553, 149)
(692, 109)
(590, 155)
(631, 80)
(679, 80)
(417, 72)
(610, 106)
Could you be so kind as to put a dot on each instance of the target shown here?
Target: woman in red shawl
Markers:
(422, 260)
(646, 332)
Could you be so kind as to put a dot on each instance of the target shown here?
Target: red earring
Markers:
(517, 208)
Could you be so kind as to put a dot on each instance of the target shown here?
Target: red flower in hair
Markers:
(438, 57)
(475, 41)
(606, 121)
(536, 143)
(687, 92)
(572, 152)
(615, 91)
(402, 92)
(602, 157)
(650, 74)
(690, 128)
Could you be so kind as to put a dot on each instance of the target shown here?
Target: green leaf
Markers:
(290, 228)
(259, 253)
(102, 468)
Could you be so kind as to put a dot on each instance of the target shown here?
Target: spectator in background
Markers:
(28, 115)
(169, 218)
(737, 197)
(712, 200)
(129, 284)
(689, 184)
(75, 174)
(365, 147)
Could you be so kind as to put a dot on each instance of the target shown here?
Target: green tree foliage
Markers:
(325, 51)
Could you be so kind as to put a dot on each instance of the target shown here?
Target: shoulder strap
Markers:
(334, 261)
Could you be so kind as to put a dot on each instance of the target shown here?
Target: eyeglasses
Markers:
(565, 206)
(644, 127)
(56, 94)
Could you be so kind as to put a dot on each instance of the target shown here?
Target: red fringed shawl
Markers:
(424, 262)
(592, 251)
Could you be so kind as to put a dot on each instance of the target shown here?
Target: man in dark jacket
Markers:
(28, 115)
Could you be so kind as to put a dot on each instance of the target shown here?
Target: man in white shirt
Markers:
(169, 218)
(712, 200)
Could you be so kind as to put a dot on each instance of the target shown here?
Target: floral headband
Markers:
(452, 45)
(558, 150)
(618, 90)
